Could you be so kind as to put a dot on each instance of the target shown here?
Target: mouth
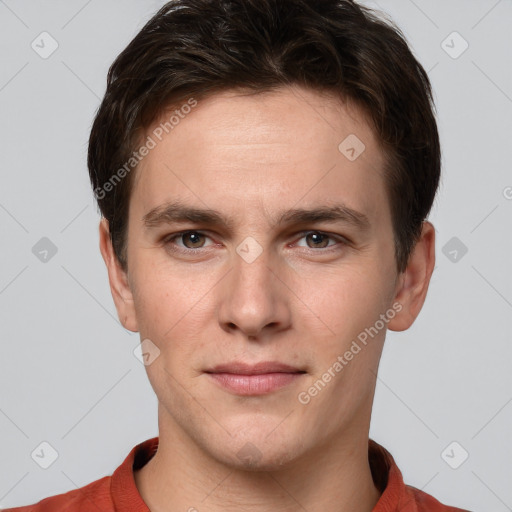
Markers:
(254, 379)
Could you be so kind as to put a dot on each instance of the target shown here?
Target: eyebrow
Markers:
(176, 211)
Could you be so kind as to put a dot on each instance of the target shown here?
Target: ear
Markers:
(118, 279)
(412, 284)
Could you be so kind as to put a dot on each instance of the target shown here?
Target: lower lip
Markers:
(254, 384)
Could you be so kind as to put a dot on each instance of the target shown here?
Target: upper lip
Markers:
(241, 368)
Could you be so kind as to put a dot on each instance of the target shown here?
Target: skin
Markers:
(301, 302)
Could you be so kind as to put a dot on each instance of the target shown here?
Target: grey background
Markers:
(68, 375)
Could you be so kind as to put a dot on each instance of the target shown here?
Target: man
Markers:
(264, 170)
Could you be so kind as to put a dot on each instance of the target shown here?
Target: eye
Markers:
(319, 240)
(190, 240)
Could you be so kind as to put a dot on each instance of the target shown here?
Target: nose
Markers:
(255, 298)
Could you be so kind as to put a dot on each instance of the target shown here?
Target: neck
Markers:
(181, 476)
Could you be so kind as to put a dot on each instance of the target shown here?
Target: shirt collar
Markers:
(386, 476)
(125, 494)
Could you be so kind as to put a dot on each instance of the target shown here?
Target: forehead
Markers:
(287, 147)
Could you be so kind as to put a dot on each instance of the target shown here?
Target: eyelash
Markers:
(343, 241)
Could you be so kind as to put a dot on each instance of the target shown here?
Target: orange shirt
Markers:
(118, 493)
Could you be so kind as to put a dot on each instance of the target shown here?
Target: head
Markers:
(296, 144)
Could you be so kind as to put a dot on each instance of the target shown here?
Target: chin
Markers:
(257, 451)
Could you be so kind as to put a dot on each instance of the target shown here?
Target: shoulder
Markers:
(423, 502)
(107, 494)
(93, 496)
(396, 495)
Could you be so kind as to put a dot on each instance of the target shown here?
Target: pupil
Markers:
(194, 238)
(317, 238)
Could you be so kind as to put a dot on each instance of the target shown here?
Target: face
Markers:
(257, 285)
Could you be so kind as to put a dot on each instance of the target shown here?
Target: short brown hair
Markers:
(200, 47)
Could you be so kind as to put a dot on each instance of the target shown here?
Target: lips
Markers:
(240, 368)
(254, 379)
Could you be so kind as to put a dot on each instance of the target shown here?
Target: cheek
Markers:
(173, 310)
(341, 304)
(164, 294)
(157, 306)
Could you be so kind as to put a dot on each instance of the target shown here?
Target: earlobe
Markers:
(413, 283)
(118, 280)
